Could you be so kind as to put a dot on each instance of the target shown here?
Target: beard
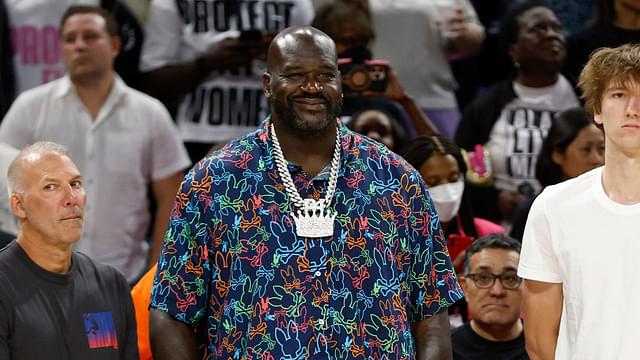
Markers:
(304, 123)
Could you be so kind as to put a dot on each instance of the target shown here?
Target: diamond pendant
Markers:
(313, 220)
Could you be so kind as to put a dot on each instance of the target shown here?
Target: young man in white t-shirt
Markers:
(580, 248)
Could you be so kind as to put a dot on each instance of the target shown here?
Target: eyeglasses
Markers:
(485, 280)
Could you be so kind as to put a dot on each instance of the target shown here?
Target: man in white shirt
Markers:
(420, 38)
(31, 45)
(580, 247)
(123, 141)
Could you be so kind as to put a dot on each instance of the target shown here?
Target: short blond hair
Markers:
(620, 66)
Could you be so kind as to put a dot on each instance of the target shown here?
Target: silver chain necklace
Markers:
(312, 218)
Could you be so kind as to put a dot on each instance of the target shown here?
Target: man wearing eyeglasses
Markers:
(492, 290)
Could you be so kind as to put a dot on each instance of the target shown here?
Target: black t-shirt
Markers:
(86, 313)
(5, 238)
(467, 345)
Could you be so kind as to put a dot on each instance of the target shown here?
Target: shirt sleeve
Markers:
(182, 284)
(130, 346)
(163, 36)
(168, 154)
(538, 260)
(471, 13)
(4, 332)
(434, 286)
(303, 12)
(17, 127)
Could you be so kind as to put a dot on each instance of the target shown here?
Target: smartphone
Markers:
(370, 75)
(457, 243)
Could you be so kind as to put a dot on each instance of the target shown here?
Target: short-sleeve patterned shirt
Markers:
(233, 267)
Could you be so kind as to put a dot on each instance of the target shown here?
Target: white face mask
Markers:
(447, 198)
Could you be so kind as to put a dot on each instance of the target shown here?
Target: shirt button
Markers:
(318, 273)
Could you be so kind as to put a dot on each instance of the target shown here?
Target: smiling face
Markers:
(620, 117)
(50, 204)
(303, 82)
(540, 41)
(496, 306)
(87, 47)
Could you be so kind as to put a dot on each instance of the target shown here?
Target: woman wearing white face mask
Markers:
(447, 197)
(442, 167)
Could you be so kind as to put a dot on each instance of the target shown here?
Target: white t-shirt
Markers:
(517, 136)
(577, 236)
(224, 106)
(35, 38)
(131, 143)
(411, 35)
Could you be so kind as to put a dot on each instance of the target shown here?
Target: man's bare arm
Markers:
(542, 310)
(172, 81)
(432, 338)
(171, 339)
(464, 37)
(395, 91)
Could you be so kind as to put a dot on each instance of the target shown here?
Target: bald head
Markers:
(47, 197)
(15, 181)
(296, 38)
(302, 82)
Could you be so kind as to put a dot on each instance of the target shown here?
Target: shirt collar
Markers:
(65, 88)
(264, 137)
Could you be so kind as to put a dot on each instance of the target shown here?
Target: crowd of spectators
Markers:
(139, 91)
